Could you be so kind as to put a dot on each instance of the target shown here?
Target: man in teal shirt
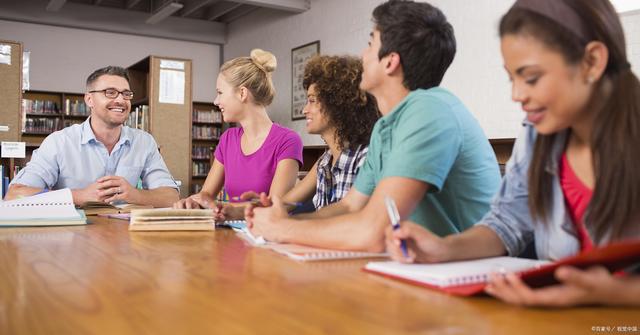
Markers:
(427, 152)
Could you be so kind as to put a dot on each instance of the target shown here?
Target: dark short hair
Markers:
(352, 111)
(109, 70)
(421, 35)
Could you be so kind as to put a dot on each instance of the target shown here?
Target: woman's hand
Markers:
(595, 285)
(198, 200)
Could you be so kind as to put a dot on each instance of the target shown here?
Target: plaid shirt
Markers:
(334, 182)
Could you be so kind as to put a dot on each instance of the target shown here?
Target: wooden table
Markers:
(102, 279)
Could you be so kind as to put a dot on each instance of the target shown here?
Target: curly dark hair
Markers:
(352, 111)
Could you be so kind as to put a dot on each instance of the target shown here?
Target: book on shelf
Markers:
(39, 107)
(212, 116)
(471, 277)
(168, 219)
(299, 252)
(98, 207)
(54, 208)
(139, 118)
(200, 132)
(201, 152)
(200, 169)
(41, 125)
(76, 107)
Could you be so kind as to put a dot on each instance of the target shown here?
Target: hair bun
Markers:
(265, 60)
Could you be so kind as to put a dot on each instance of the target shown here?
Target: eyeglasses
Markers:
(112, 93)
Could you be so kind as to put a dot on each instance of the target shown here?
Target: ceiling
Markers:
(208, 10)
(190, 20)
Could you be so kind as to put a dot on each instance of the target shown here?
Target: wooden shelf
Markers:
(76, 116)
(38, 134)
(44, 114)
(207, 123)
(215, 139)
(141, 101)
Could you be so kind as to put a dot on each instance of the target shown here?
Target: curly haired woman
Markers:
(343, 115)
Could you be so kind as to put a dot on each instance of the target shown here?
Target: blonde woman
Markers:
(259, 155)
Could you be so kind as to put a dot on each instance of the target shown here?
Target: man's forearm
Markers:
(17, 190)
(158, 197)
(352, 231)
(335, 209)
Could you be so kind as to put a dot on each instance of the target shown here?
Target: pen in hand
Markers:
(394, 216)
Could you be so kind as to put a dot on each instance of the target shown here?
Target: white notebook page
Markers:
(49, 205)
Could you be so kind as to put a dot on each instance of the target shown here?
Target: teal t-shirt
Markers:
(431, 136)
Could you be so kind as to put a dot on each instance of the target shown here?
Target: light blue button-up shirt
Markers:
(74, 158)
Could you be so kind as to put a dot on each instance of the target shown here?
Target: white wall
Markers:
(62, 58)
(631, 25)
(476, 75)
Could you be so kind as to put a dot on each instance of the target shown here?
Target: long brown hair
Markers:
(616, 102)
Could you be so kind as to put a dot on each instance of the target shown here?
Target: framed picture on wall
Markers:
(299, 57)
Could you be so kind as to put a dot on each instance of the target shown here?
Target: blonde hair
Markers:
(254, 73)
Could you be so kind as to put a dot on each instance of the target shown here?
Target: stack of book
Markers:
(171, 219)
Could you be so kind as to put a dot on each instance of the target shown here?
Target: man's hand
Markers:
(257, 200)
(89, 193)
(116, 188)
(269, 222)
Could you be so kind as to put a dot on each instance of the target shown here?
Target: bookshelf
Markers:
(206, 127)
(44, 112)
(156, 82)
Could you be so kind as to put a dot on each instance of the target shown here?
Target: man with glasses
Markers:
(100, 159)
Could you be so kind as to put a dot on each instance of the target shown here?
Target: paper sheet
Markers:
(13, 150)
(172, 86)
(5, 54)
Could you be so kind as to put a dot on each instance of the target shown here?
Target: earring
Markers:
(590, 80)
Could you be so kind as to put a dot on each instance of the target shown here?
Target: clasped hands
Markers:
(108, 189)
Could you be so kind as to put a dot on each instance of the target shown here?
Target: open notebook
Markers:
(171, 219)
(54, 208)
(470, 277)
(301, 252)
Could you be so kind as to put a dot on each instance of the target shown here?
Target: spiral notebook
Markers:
(470, 277)
(54, 208)
(301, 252)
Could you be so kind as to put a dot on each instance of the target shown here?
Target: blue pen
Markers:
(394, 216)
